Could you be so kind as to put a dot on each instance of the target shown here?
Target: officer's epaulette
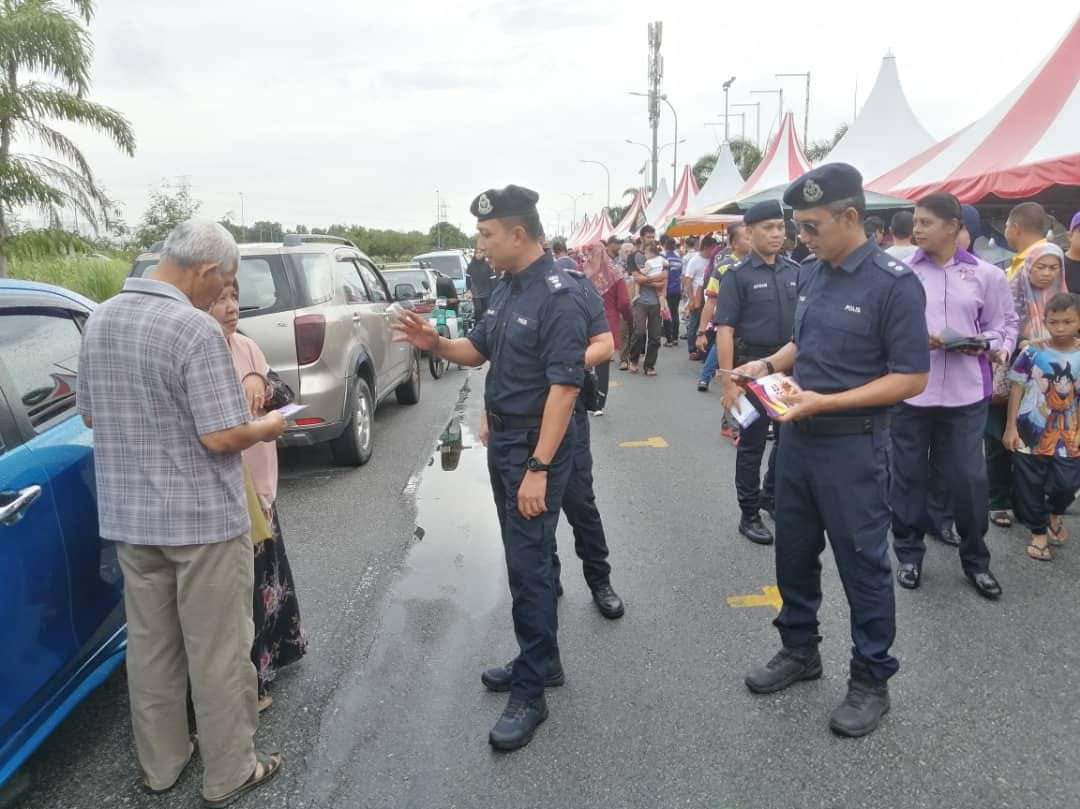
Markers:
(738, 265)
(893, 266)
(559, 281)
(577, 275)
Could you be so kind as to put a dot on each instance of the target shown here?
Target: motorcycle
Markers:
(448, 325)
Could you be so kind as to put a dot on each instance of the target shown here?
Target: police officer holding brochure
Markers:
(860, 346)
(534, 334)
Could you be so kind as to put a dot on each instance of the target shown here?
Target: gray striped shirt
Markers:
(154, 374)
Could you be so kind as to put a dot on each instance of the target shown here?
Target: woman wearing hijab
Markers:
(1040, 278)
(609, 283)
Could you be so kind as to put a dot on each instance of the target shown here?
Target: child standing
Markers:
(1042, 428)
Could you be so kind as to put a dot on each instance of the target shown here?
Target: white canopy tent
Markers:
(659, 201)
(886, 132)
(722, 185)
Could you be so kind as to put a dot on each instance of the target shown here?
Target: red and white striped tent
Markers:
(598, 232)
(684, 194)
(634, 213)
(579, 231)
(784, 161)
(1025, 145)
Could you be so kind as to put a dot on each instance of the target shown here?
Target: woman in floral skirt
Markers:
(279, 639)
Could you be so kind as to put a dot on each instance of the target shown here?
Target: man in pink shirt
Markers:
(965, 298)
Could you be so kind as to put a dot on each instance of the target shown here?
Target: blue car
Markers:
(62, 627)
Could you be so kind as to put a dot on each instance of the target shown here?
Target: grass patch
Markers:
(96, 278)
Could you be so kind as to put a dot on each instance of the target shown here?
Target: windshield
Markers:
(418, 278)
(447, 265)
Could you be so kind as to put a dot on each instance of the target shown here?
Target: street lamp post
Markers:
(757, 126)
(243, 221)
(606, 171)
(727, 87)
(806, 114)
(779, 92)
(574, 198)
(647, 148)
(663, 97)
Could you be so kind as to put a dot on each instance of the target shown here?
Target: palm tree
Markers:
(45, 38)
(746, 155)
(703, 168)
(819, 149)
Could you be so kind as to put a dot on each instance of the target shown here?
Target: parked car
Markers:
(62, 630)
(319, 310)
(422, 280)
(452, 263)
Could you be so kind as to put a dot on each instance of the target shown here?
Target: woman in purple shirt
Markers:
(965, 298)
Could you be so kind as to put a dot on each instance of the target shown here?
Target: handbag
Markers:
(280, 393)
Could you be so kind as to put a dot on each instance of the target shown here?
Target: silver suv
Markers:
(318, 308)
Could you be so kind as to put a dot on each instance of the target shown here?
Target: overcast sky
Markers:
(356, 112)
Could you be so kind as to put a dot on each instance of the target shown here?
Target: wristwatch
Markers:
(534, 465)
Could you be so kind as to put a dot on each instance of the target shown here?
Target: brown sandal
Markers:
(266, 767)
(1042, 554)
(1059, 535)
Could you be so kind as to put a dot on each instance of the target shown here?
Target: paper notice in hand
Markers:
(744, 411)
(289, 411)
(770, 391)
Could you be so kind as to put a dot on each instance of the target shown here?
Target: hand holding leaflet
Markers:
(288, 412)
(771, 391)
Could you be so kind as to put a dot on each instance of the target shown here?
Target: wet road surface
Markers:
(403, 591)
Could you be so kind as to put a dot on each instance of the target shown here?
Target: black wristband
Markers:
(769, 367)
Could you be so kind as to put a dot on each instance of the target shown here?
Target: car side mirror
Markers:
(405, 292)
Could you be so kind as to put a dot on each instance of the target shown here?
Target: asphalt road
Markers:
(387, 710)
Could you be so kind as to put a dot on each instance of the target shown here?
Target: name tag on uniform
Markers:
(802, 297)
(792, 283)
(523, 321)
(761, 286)
(857, 310)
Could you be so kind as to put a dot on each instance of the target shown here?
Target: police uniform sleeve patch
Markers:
(559, 282)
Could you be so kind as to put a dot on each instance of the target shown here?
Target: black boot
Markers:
(788, 667)
(866, 702)
(754, 529)
(501, 677)
(518, 723)
(607, 601)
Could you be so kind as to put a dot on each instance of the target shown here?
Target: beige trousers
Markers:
(189, 617)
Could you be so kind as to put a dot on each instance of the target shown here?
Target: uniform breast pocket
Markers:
(791, 290)
(848, 320)
(760, 294)
(522, 331)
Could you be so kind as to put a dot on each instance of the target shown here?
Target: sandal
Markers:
(633, 369)
(266, 767)
(1001, 519)
(265, 701)
(193, 747)
(1058, 535)
(623, 366)
(1039, 554)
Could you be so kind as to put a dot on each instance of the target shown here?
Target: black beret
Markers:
(763, 211)
(500, 204)
(825, 184)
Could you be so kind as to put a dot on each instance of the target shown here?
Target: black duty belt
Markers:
(499, 423)
(749, 351)
(843, 425)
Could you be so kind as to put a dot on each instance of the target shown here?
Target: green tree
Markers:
(169, 206)
(819, 149)
(746, 155)
(444, 236)
(703, 168)
(48, 39)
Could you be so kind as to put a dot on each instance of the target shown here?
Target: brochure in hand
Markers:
(744, 411)
(770, 391)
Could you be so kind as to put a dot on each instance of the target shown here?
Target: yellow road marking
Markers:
(649, 443)
(615, 384)
(770, 598)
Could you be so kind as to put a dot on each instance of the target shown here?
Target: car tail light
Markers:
(308, 422)
(310, 336)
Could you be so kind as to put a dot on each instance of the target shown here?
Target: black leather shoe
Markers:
(500, 677)
(947, 535)
(769, 507)
(518, 723)
(754, 529)
(909, 575)
(986, 585)
(607, 601)
(703, 387)
(786, 668)
(860, 713)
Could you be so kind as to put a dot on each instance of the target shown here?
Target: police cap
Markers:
(825, 184)
(763, 211)
(503, 203)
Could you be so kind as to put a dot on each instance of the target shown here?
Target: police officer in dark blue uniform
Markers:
(860, 346)
(534, 334)
(755, 314)
(579, 502)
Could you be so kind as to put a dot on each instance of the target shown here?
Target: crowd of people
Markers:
(938, 389)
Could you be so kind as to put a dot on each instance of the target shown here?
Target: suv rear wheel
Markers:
(354, 446)
(408, 392)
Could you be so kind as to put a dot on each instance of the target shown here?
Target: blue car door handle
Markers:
(16, 503)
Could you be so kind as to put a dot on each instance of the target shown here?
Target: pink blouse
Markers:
(260, 460)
